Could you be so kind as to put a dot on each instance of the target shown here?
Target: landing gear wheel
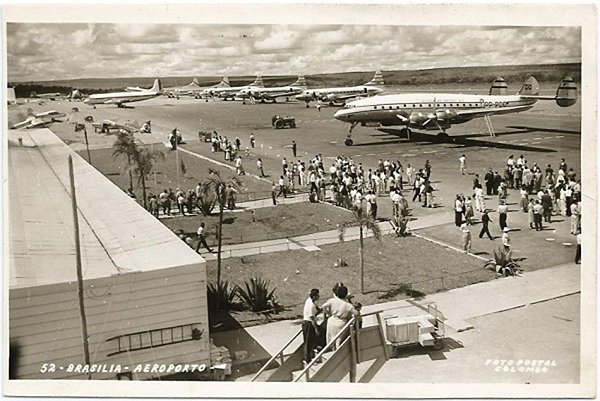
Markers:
(442, 137)
(278, 124)
(348, 142)
(307, 106)
(331, 103)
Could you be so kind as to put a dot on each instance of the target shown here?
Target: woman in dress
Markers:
(339, 311)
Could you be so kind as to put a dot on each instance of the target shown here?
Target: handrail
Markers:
(275, 356)
(320, 354)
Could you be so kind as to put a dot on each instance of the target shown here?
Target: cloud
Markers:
(67, 51)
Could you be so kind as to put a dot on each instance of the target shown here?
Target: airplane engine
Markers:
(445, 116)
(331, 97)
(566, 95)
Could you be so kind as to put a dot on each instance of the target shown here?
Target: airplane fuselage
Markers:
(120, 97)
(338, 94)
(437, 110)
(269, 93)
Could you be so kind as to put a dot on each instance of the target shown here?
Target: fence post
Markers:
(352, 354)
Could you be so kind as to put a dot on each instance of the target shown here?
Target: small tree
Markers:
(364, 221)
(125, 145)
(206, 198)
(219, 185)
(143, 163)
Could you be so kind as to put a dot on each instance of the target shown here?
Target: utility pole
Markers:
(86, 350)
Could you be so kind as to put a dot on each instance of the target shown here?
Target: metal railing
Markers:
(277, 354)
(354, 339)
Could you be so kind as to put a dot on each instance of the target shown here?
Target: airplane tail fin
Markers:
(377, 79)
(499, 87)
(566, 94)
(157, 87)
(195, 82)
(301, 82)
(225, 82)
(531, 87)
(258, 82)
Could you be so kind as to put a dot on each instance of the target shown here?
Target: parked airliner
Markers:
(273, 93)
(230, 92)
(341, 94)
(120, 98)
(439, 111)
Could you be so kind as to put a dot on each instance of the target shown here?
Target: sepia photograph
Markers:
(256, 200)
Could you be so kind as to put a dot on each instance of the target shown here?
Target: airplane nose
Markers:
(341, 115)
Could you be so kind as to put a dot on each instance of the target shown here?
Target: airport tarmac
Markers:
(545, 134)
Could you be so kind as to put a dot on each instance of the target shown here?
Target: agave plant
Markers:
(221, 296)
(256, 295)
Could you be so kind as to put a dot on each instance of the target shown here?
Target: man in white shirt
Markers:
(463, 164)
(310, 328)
(202, 239)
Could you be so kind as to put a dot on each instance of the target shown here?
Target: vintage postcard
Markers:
(300, 200)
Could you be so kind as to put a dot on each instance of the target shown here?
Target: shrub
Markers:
(206, 199)
(221, 295)
(256, 295)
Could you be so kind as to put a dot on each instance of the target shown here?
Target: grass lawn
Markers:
(395, 268)
(166, 173)
(269, 223)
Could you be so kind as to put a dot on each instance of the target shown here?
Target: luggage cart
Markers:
(428, 330)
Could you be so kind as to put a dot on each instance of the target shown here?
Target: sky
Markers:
(70, 51)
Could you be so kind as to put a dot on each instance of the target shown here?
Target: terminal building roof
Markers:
(117, 235)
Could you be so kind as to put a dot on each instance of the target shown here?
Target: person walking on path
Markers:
(282, 190)
(485, 220)
(310, 328)
(259, 164)
(575, 217)
(530, 213)
(489, 182)
(427, 169)
(252, 141)
(274, 194)
(462, 164)
(458, 211)
(466, 237)
(538, 211)
(294, 148)
(479, 199)
(469, 214)
(547, 205)
(202, 239)
(502, 214)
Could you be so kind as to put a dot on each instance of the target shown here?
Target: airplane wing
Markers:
(480, 112)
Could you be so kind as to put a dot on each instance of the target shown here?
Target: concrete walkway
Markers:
(311, 242)
(458, 305)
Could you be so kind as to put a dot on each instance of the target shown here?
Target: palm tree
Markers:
(219, 184)
(125, 145)
(143, 163)
(364, 221)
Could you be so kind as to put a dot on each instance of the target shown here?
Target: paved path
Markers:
(311, 242)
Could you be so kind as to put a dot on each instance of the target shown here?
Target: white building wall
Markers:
(45, 322)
